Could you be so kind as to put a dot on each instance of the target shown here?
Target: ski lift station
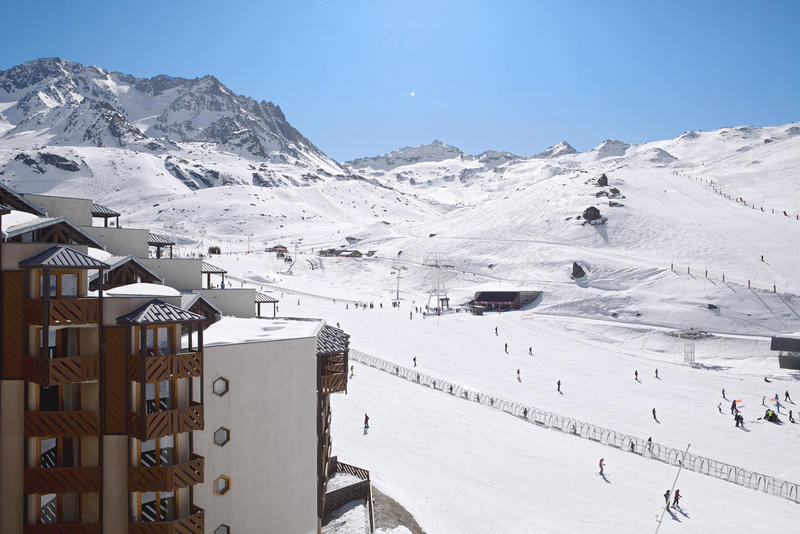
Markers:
(502, 300)
(788, 347)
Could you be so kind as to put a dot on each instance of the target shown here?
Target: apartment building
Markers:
(120, 412)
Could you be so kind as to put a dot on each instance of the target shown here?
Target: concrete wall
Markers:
(77, 210)
(180, 273)
(270, 410)
(12, 454)
(121, 241)
(115, 484)
(236, 302)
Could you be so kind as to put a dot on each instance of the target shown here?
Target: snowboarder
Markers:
(602, 464)
(741, 419)
(415, 361)
(636, 375)
(666, 497)
(366, 422)
(723, 394)
(677, 498)
(654, 414)
(559, 385)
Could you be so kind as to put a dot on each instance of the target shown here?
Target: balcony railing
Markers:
(62, 423)
(61, 480)
(62, 528)
(166, 478)
(193, 524)
(60, 370)
(157, 368)
(63, 311)
(334, 383)
(334, 373)
(164, 423)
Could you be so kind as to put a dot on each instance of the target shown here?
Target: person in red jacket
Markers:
(366, 422)
(602, 464)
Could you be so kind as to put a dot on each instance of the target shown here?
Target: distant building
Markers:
(503, 300)
(788, 347)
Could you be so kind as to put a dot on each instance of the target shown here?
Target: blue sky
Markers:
(509, 75)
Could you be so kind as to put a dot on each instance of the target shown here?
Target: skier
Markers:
(338, 325)
(656, 373)
(762, 257)
(366, 422)
(791, 417)
(677, 498)
(415, 361)
(723, 394)
(518, 378)
(409, 316)
(650, 443)
(601, 466)
(777, 405)
(530, 353)
(786, 397)
(654, 414)
(351, 371)
(764, 400)
(719, 407)
(666, 497)
(559, 385)
(506, 347)
(495, 330)
(636, 375)
(733, 406)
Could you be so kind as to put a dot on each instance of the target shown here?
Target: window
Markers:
(69, 285)
(158, 396)
(220, 386)
(222, 485)
(222, 529)
(222, 436)
(157, 506)
(63, 284)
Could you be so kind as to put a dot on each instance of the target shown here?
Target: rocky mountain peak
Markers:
(562, 148)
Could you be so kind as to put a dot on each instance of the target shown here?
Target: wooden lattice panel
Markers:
(62, 423)
(12, 324)
(61, 370)
(63, 311)
(192, 524)
(115, 385)
(167, 422)
(158, 368)
(166, 478)
(61, 480)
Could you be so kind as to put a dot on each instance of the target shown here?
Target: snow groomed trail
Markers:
(655, 451)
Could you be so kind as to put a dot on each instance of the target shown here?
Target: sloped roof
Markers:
(63, 256)
(115, 262)
(213, 269)
(190, 299)
(332, 340)
(98, 210)
(15, 201)
(39, 224)
(158, 240)
(261, 297)
(159, 312)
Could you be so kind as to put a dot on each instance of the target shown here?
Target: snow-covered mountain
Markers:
(56, 102)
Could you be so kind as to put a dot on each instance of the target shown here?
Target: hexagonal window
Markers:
(222, 436)
(222, 529)
(220, 386)
(222, 485)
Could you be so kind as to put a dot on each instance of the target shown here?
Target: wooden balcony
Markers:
(58, 371)
(63, 312)
(164, 423)
(157, 368)
(193, 524)
(62, 528)
(334, 383)
(334, 373)
(61, 480)
(62, 423)
(166, 478)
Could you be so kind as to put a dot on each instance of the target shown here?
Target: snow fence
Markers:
(656, 451)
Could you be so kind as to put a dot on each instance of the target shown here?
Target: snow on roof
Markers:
(332, 340)
(99, 254)
(230, 330)
(143, 290)
(17, 217)
(4, 210)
